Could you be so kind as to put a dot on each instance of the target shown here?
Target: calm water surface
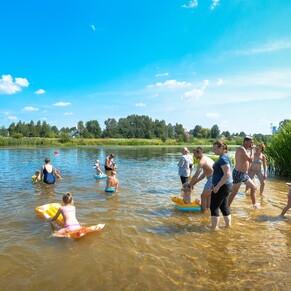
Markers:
(146, 244)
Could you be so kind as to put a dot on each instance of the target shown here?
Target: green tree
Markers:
(279, 148)
(214, 131)
(94, 128)
(111, 128)
(196, 132)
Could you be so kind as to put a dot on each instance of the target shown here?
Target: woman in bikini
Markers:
(68, 211)
(258, 167)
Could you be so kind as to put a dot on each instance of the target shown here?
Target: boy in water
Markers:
(112, 181)
(186, 193)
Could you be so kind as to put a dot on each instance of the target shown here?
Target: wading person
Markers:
(240, 172)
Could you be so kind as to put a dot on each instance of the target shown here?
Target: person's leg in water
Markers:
(249, 183)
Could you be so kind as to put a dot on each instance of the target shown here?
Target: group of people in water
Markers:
(48, 175)
(222, 180)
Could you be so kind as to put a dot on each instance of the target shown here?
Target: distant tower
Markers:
(273, 128)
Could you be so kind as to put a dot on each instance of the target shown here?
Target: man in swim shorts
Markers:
(243, 158)
(204, 170)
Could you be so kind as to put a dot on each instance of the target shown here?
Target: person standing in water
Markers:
(240, 172)
(259, 167)
(47, 173)
(204, 170)
(222, 185)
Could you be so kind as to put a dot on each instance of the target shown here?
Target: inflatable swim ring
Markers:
(109, 189)
(101, 176)
(181, 205)
(49, 210)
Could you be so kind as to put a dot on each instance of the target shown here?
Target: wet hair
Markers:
(47, 160)
(68, 198)
(37, 172)
(221, 144)
(112, 155)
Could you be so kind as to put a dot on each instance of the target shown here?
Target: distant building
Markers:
(273, 128)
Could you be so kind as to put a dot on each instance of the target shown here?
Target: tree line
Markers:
(132, 126)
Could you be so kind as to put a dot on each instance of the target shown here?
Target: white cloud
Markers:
(43, 118)
(30, 108)
(191, 4)
(22, 82)
(8, 86)
(93, 27)
(39, 92)
(214, 4)
(140, 105)
(266, 48)
(162, 74)
(196, 93)
(212, 115)
(12, 117)
(219, 82)
(62, 104)
(68, 113)
(170, 84)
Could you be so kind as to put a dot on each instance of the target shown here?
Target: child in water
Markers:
(58, 174)
(112, 181)
(97, 168)
(186, 193)
(288, 206)
(36, 177)
(68, 211)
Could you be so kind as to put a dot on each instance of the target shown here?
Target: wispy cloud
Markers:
(39, 92)
(219, 82)
(212, 115)
(140, 105)
(196, 93)
(62, 104)
(30, 108)
(191, 4)
(11, 117)
(162, 75)
(93, 27)
(214, 4)
(8, 86)
(68, 113)
(170, 84)
(266, 48)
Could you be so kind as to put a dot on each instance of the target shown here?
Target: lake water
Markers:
(146, 244)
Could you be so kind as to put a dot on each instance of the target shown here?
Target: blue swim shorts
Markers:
(208, 184)
(239, 177)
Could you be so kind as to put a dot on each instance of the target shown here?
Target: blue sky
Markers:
(204, 62)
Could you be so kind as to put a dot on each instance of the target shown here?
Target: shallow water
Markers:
(146, 244)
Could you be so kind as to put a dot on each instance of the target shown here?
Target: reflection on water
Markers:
(146, 244)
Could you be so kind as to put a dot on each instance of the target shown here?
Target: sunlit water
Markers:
(146, 244)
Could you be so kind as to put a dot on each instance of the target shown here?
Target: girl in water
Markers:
(68, 211)
(258, 167)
